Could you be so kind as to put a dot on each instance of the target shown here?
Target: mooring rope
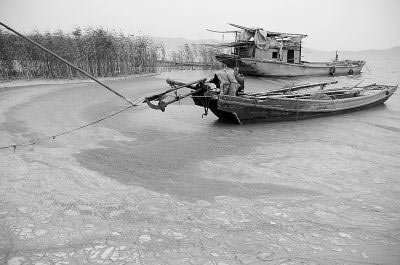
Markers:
(46, 138)
(66, 62)
(32, 142)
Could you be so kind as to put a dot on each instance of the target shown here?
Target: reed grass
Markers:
(100, 52)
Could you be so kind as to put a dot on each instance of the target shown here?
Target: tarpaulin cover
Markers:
(262, 41)
(245, 35)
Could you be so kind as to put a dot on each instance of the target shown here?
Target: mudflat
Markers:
(148, 187)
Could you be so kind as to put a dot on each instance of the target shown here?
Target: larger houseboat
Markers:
(256, 51)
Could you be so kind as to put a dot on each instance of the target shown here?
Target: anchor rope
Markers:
(206, 104)
(32, 142)
(67, 63)
(47, 138)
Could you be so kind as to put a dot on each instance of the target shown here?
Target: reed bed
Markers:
(100, 52)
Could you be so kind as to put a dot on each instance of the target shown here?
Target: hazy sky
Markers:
(335, 24)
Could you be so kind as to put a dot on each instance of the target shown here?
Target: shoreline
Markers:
(17, 83)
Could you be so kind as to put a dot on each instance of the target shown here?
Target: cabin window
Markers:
(274, 55)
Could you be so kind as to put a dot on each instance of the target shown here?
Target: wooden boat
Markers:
(265, 53)
(265, 67)
(294, 103)
(296, 107)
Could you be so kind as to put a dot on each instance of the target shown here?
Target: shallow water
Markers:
(339, 167)
(173, 185)
(175, 146)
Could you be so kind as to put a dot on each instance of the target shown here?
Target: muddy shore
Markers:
(172, 188)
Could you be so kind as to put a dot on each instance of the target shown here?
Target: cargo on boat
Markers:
(258, 52)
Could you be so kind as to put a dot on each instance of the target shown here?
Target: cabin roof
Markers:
(271, 33)
(230, 44)
(261, 38)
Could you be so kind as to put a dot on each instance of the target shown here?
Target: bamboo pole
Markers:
(293, 88)
(66, 62)
(179, 86)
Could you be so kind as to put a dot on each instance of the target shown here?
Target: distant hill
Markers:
(173, 44)
(316, 55)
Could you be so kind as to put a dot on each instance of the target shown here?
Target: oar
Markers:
(344, 88)
(281, 90)
(356, 85)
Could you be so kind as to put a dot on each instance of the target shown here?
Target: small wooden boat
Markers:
(294, 107)
(294, 103)
(258, 52)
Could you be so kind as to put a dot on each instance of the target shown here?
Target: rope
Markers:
(66, 62)
(46, 138)
(132, 104)
(206, 104)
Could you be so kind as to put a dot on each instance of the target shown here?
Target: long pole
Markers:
(179, 86)
(68, 63)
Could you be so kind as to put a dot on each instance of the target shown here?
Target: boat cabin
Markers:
(287, 55)
(266, 45)
(258, 52)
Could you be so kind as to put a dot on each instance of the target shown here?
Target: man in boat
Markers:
(230, 83)
(240, 79)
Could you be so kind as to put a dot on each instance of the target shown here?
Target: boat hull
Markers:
(257, 67)
(239, 109)
(233, 61)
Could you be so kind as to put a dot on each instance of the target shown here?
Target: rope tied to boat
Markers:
(332, 70)
(68, 63)
(334, 99)
(47, 138)
(132, 104)
(205, 101)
